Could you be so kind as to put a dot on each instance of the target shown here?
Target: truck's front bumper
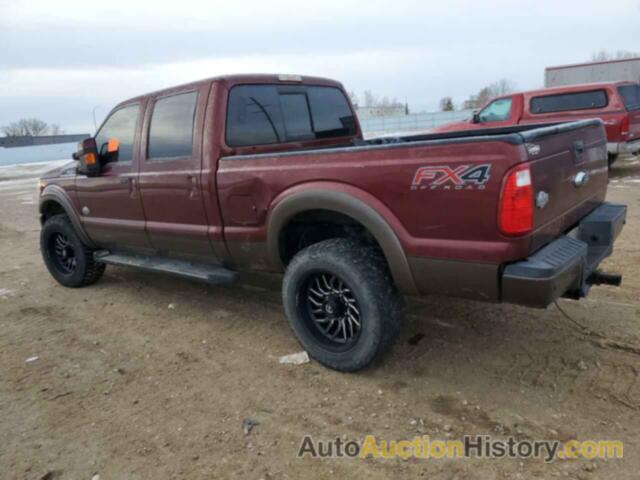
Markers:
(632, 147)
(566, 266)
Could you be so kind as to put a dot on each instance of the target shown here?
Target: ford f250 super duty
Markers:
(271, 173)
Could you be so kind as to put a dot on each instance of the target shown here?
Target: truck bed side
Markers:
(439, 195)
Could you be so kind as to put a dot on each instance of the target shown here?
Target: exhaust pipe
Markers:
(603, 278)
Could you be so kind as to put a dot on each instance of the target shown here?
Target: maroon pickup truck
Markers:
(271, 173)
(617, 104)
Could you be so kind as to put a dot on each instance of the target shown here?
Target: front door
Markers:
(110, 204)
(170, 173)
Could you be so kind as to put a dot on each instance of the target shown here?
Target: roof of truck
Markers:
(579, 87)
(235, 79)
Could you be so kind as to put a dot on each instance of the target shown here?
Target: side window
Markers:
(268, 114)
(332, 116)
(171, 129)
(569, 101)
(121, 125)
(496, 111)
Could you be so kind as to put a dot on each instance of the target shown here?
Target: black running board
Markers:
(213, 274)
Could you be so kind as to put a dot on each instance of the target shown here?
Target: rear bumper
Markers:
(564, 267)
(624, 147)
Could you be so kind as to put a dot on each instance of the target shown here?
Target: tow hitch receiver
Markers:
(603, 278)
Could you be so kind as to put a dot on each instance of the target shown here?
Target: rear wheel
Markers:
(68, 260)
(341, 303)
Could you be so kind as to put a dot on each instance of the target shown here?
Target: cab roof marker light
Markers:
(289, 78)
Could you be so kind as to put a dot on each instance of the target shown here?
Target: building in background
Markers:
(606, 71)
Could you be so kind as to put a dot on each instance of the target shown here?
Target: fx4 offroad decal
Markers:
(444, 177)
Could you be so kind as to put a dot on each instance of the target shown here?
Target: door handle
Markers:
(133, 187)
(192, 185)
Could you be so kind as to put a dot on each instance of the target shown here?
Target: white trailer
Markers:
(608, 71)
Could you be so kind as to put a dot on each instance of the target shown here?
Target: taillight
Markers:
(515, 214)
(624, 127)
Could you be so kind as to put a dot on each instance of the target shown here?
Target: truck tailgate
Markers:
(569, 172)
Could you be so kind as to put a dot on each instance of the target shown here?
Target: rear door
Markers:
(110, 204)
(170, 173)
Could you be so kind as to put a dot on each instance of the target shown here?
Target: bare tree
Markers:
(355, 101)
(370, 100)
(605, 55)
(33, 127)
(12, 130)
(446, 104)
(56, 129)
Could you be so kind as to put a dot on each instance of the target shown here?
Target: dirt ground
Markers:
(144, 376)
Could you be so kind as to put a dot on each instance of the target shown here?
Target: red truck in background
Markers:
(271, 173)
(617, 104)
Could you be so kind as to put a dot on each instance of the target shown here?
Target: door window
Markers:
(120, 125)
(497, 111)
(171, 130)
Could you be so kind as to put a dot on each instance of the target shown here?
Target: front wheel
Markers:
(341, 303)
(68, 260)
(611, 158)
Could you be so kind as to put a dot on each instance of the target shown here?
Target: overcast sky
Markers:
(60, 59)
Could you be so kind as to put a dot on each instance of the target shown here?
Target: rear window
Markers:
(569, 101)
(630, 96)
(269, 114)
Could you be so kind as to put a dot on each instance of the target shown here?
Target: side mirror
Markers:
(87, 154)
(109, 151)
(476, 117)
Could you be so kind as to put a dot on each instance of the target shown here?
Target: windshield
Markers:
(630, 96)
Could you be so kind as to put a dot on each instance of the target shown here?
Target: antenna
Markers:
(93, 112)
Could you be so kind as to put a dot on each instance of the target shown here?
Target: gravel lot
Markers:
(144, 376)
